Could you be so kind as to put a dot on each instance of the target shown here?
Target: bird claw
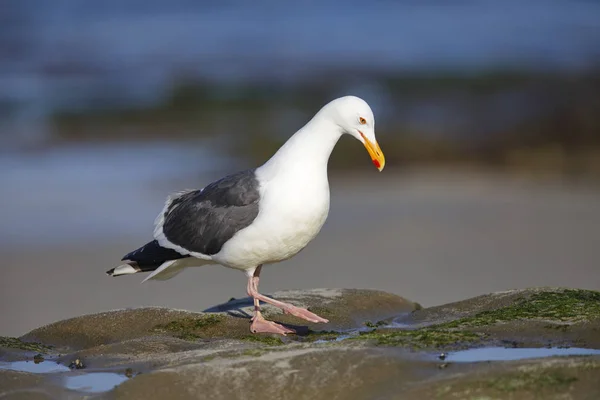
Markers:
(261, 325)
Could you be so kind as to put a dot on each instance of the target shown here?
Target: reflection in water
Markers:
(91, 382)
(337, 339)
(95, 382)
(507, 354)
(43, 367)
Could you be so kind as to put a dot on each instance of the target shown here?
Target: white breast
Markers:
(292, 212)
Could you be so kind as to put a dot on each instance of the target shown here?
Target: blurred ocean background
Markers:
(488, 113)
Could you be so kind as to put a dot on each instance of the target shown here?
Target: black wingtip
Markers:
(110, 272)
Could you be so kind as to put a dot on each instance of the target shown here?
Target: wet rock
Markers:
(557, 305)
(539, 316)
(139, 348)
(103, 328)
(301, 374)
(533, 317)
(161, 353)
(344, 308)
(553, 378)
(77, 364)
(14, 343)
(422, 338)
(152, 336)
(19, 385)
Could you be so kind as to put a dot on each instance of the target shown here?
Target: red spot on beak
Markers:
(376, 164)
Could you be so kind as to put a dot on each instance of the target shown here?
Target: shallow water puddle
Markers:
(94, 382)
(90, 382)
(508, 354)
(42, 367)
(337, 339)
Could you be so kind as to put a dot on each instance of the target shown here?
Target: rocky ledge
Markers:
(519, 344)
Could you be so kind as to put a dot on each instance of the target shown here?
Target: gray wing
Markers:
(203, 220)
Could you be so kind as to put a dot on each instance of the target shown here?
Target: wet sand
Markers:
(430, 237)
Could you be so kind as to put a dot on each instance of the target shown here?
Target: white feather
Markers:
(169, 269)
(124, 269)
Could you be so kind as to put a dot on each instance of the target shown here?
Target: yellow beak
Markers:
(375, 152)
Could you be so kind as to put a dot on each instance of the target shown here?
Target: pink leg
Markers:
(288, 308)
(259, 323)
(255, 279)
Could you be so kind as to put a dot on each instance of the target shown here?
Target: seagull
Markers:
(258, 216)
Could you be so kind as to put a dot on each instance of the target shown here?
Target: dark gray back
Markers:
(203, 220)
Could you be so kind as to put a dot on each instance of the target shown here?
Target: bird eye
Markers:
(362, 121)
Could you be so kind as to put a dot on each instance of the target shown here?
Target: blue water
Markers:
(507, 354)
(95, 382)
(89, 382)
(81, 193)
(43, 367)
(128, 34)
(60, 53)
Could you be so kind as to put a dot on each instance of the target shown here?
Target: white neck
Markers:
(307, 150)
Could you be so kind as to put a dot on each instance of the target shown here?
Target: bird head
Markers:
(354, 116)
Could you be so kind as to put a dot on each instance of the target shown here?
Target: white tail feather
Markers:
(124, 269)
(171, 268)
(161, 273)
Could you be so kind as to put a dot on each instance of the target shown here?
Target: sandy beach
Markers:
(429, 236)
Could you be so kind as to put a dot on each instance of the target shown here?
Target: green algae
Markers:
(314, 336)
(15, 343)
(377, 324)
(419, 338)
(567, 305)
(253, 352)
(189, 328)
(530, 380)
(268, 340)
(509, 384)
